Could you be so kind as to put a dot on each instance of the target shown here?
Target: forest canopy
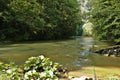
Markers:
(106, 20)
(38, 19)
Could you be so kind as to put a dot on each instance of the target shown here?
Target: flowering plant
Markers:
(35, 68)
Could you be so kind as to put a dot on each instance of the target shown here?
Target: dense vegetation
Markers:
(35, 68)
(106, 19)
(38, 19)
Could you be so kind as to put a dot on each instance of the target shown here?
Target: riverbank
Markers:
(110, 51)
(102, 73)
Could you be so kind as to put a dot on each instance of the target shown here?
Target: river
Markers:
(74, 53)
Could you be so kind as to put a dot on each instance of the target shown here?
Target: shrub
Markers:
(40, 68)
(35, 68)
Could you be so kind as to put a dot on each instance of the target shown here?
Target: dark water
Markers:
(73, 53)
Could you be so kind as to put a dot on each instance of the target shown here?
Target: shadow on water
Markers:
(73, 53)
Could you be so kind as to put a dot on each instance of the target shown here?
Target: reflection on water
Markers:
(71, 53)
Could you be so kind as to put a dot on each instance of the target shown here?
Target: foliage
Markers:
(35, 68)
(40, 68)
(10, 72)
(105, 17)
(21, 19)
(36, 19)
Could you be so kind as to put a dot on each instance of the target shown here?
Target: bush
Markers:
(35, 68)
(10, 72)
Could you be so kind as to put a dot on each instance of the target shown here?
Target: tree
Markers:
(61, 17)
(36, 19)
(105, 17)
(22, 19)
(3, 8)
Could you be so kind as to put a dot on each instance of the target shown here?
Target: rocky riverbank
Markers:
(110, 51)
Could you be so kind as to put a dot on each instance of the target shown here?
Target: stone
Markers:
(110, 51)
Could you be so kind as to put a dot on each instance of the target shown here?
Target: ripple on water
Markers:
(70, 53)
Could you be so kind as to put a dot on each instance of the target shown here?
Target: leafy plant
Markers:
(10, 72)
(35, 68)
(40, 68)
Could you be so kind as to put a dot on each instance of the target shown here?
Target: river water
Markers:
(74, 53)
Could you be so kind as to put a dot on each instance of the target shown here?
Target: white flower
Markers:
(29, 72)
(47, 79)
(9, 71)
(41, 57)
(26, 76)
(42, 74)
(50, 73)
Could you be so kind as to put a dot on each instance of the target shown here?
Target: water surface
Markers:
(73, 53)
